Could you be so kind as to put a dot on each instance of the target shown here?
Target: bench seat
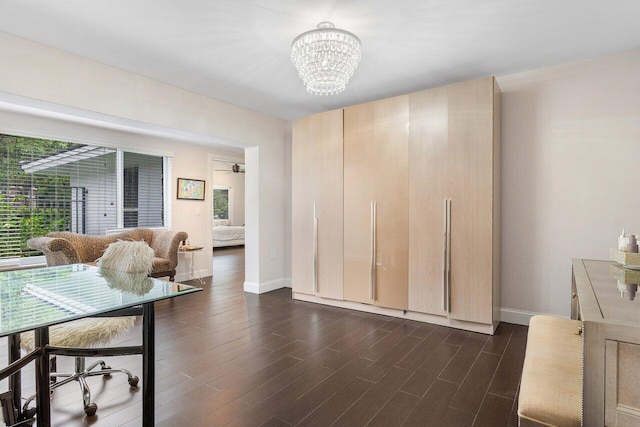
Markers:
(551, 387)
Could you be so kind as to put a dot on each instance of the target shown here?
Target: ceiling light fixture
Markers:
(326, 58)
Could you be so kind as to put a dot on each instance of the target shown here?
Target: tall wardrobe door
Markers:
(376, 203)
(302, 199)
(429, 178)
(359, 173)
(317, 215)
(329, 205)
(471, 142)
(391, 191)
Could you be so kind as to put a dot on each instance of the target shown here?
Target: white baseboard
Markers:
(271, 285)
(518, 317)
(507, 315)
(402, 314)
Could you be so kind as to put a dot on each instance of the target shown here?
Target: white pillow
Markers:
(127, 256)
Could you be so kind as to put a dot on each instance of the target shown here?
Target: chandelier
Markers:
(326, 58)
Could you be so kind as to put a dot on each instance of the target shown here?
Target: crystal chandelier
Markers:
(326, 58)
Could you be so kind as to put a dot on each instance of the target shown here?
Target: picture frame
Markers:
(191, 189)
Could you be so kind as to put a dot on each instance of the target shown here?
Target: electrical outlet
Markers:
(272, 253)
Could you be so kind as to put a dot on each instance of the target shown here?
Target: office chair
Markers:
(136, 258)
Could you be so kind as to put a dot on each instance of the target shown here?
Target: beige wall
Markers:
(570, 168)
(41, 82)
(570, 150)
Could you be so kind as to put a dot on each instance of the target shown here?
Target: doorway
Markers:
(228, 214)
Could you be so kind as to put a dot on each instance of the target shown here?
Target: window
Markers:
(143, 184)
(130, 197)
(221, 203)
(48, 185)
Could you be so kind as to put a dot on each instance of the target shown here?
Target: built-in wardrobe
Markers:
(396, 206)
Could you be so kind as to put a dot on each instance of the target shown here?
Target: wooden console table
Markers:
(603, 297)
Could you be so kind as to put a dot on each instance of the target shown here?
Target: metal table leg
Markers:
(43, 394)
(15, 380)
(148, 365)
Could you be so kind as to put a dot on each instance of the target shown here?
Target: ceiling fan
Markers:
(235, 168)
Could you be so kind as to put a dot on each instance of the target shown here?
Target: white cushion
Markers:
(127, 256)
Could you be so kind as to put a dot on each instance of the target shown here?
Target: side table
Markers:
(189, 249)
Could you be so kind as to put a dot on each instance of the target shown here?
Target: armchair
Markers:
(61, 248)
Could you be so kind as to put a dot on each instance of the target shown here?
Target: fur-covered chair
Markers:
(62, 248)
(125, 266)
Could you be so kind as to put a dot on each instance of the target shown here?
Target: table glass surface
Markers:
(615, 289)
(46, 296)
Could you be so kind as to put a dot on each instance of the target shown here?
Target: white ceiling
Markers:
(238, 50)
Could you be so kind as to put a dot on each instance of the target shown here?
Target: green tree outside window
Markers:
(220, 203)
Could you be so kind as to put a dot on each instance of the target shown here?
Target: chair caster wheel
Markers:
(133, 381)
(91, 409)
(106, 367)
(29, 413)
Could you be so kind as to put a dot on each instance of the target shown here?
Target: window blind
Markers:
(48, 185)
(143, 185)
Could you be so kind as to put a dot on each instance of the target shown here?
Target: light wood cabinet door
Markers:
(471, 114)
(359, 172)
(454, 155)
(317, 203)
(376, 220)
(430, 178)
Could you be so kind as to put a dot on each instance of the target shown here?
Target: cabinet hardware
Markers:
(372, 278)
(447, 256)
(444, 260)
(315, 249)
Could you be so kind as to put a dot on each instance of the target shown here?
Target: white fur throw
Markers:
(83, 332)
(127, 256)
(134, 283)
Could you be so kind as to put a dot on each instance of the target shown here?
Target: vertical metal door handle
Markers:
(445, 296)
(315, 250)
(449, 255)
(372, 278)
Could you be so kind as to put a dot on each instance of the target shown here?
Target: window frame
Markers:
(229, 201)
(14, 263)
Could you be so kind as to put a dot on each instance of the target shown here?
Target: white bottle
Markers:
(623, 241)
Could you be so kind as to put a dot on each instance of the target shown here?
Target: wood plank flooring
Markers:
(225, 357)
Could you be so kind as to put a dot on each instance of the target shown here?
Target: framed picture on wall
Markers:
(190, 189)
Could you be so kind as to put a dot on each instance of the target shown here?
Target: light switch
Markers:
(198, 211)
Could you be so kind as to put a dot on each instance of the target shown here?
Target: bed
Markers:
(227, 235)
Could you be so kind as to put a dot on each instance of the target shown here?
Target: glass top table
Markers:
(614, 290)
(47, 296)
(39, 298)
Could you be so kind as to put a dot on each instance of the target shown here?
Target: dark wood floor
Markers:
(229, 358)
